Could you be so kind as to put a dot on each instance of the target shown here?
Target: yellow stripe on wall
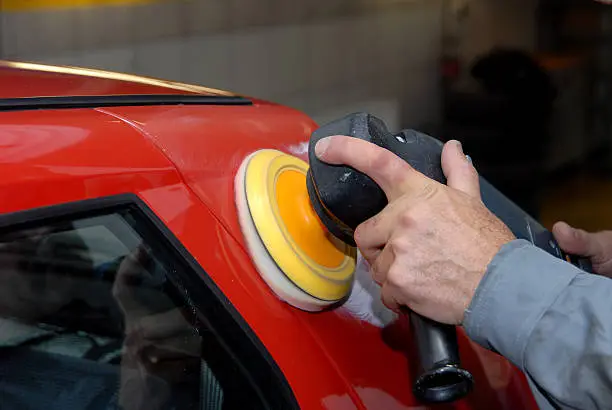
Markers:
(28, 5)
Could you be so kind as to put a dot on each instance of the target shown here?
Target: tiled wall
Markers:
(322, 56)
(326, 57)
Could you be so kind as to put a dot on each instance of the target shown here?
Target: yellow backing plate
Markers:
(310, 257)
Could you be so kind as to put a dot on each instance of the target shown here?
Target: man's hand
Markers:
(596, 246)
(431, 245)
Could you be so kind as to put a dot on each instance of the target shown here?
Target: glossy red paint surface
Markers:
(182, 161)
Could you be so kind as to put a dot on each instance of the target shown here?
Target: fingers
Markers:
(390, 172)
(372, 235)
(459, 171)
(381, 265)
(388, 298)
(576, 241)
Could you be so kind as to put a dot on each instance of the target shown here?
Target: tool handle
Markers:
(440, 379)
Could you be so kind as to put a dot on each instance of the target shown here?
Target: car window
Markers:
(94, 314)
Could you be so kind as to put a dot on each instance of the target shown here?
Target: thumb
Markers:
(576, 241)
(459, 171)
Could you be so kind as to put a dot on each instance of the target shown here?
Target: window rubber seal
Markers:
(121, 100)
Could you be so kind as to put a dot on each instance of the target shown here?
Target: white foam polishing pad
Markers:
(302, 263)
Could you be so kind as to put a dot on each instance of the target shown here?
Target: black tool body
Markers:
(344, 198)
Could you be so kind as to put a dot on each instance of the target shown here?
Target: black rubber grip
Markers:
(440, 379)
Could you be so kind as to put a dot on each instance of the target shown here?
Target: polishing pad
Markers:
(298, 258)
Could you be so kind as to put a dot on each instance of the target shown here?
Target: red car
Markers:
(124, 277)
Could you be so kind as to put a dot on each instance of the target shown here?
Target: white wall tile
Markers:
(363, 51)
(71, 59)
(290, 11)
(99, 27)
(387, 110)
(206, 15)
(250, 62)
(209, 61)
(113, 59)
(326, 55)
(116, 59)
(248, 12)
(37, 34)
(159, 20)
(288, 68)
(161, 59)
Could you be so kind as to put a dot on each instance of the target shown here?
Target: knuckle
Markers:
(389, 304)
(406, 220)
(399, 245)
(394, 168)
(378, 274)
(387, 297)
(582, 235)
(365, 227)
(396, 275)
(360, 236)
(381, 159)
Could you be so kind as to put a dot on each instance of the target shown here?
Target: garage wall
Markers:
(321, 56)
(498, 22)
(325, 57)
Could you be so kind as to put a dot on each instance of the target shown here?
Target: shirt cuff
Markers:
(520, 284)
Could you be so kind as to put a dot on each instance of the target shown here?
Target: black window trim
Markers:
(250, 349)
(122, 100)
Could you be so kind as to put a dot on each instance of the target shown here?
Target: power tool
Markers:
(299, 218)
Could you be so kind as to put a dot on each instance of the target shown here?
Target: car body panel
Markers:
(61, 156)
(181, 160)
(49, 157)
(315, 382)
(207, 145)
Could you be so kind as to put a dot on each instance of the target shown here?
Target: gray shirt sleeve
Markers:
(550, 319)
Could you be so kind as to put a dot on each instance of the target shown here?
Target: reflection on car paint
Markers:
(298, 150)
(365, 301)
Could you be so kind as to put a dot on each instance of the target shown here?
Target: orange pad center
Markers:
(302, 222)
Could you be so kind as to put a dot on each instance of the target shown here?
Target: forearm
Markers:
(551, 320)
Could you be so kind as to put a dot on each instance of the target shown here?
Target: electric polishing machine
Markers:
(298, 221)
